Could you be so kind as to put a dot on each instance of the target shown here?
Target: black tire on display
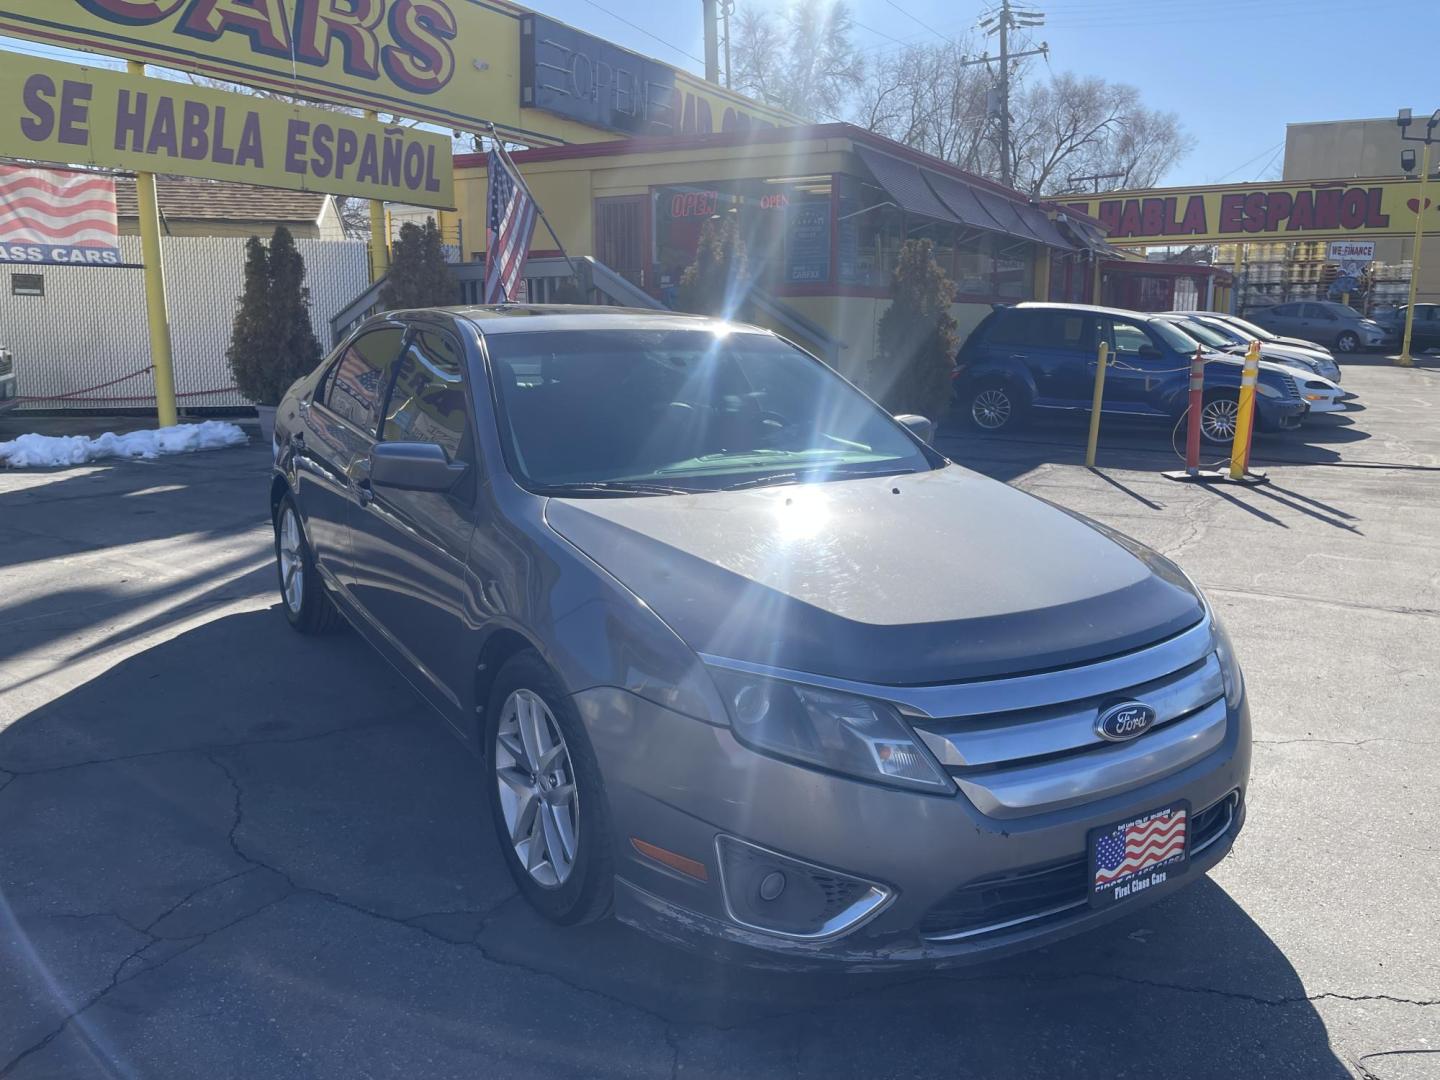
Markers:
(994, 405)
(547, 799)
(302, 595)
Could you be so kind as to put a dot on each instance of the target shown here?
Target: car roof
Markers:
(1086, 309)
(532, 318)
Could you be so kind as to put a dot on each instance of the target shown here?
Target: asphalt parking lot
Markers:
(228, 851)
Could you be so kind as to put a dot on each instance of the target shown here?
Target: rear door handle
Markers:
(364, 493)
(1019, 356)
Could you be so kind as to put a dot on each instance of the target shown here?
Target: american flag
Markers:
(509, 223)
(357, 378)
(1131, 848)
(53, 216)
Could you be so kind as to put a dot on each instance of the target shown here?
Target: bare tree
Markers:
(804, 63)
(923, 97)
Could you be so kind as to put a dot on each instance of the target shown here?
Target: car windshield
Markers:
(590, 413)
(1174, 336)
(1204, 334)
(1251, 330)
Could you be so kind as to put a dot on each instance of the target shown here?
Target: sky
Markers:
(1234, 71)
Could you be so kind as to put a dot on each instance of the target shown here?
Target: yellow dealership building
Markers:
(823, 210)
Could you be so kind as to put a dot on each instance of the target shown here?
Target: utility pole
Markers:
(711, 15)
(1407, 162)
(1002, 22)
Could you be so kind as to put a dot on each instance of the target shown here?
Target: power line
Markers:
(1243, 164)
(917, 19)
(636, 26)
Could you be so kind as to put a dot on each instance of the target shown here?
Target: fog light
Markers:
(774, 893)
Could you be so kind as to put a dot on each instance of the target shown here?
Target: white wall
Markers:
(90, 327)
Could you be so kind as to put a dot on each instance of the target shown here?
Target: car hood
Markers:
(924, 578)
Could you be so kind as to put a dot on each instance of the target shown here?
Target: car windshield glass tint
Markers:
(1204, 334)
(593, 413)
(1251, 330)
(1173, 335)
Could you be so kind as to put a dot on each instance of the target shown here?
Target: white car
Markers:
(1322, 395)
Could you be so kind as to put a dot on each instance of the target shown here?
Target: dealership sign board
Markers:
(79, 115)
(456, 63)
(1314, 211)
(57, 216)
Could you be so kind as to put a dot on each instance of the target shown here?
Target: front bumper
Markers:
(677, 783)
(1283, 415)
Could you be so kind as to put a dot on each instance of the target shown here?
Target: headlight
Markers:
(1267, 390)
(840, 732)
(1229, 666)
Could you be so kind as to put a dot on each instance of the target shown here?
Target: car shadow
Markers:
(243, 852)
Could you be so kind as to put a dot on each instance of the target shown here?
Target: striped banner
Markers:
(50, 216)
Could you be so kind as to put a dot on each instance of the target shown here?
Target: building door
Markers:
(622, 236)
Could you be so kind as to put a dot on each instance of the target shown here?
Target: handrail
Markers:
(800, 324)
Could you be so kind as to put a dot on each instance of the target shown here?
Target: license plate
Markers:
(1134, 855)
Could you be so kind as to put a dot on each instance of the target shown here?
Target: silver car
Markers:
(743, 659)
(1336, 326)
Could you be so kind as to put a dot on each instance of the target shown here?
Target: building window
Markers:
(994, 266)
(27, 284)
(870, 228)
(784, 222)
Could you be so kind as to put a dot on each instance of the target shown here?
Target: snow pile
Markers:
(48, 451)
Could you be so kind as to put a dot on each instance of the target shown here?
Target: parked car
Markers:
(1222, 337)
(1338, 326)
(745, 659)
(1424, 331)
(9, 389)
(1253, 332)
(1042, 356)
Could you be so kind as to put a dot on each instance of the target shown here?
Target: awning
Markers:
(1088, 237)
(905, 185)
(946, 198)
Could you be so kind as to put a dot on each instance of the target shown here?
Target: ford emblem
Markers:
(1126, 721)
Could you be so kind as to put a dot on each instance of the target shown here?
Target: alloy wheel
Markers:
(292, 562)
(991, 408)
(1219, 419)
(536, 780)
(1347, 342)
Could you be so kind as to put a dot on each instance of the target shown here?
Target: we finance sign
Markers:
(1313, 211)
(76, 115)
(452, 62)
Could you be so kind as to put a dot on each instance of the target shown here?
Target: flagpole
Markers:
(515, 171)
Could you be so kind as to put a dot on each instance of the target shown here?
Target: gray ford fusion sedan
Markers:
(743, 659)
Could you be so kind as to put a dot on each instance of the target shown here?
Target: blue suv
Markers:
(1035, 356)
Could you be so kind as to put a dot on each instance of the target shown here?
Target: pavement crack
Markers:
(1344, 742)
(192, 894)
(670, 1041)
(5, 779)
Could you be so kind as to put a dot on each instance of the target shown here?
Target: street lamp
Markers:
(1403, 120)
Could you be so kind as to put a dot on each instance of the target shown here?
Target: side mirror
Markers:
(1149, 352)
(414, 466)
(919, 426)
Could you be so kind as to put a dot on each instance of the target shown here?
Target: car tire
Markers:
(1219, 414)
(993, 406)
(1348, 342)
(573, 882)
(303, 598)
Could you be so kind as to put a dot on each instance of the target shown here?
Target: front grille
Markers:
(1044, 893)
(1291, 390)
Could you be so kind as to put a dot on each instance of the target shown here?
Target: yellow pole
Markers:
(379, 228)
(1101, 361)
(1245, 420)
(155, 308)
(1404, 359)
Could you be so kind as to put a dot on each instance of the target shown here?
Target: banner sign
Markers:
(49, 216)
(1350, 251)
(583, 78)
(1317, 210)
(72, 114)
(452, 62)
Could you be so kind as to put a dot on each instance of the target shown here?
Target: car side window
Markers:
(1285, 310)
(1316, 311)
(1061, 330)
(427, 401)
(358, 384)
(1012, 327)
(1127, 339)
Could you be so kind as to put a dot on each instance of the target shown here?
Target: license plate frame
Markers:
(1138, 881)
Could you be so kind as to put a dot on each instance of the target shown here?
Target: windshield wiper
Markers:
(612, 487)
(816, 472)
